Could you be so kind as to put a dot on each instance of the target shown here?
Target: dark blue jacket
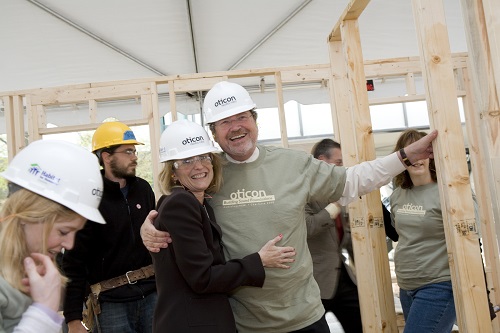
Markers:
(105, 251)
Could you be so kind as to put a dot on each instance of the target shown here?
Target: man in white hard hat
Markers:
(265, 191)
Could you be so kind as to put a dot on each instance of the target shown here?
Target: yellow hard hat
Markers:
(112, 134)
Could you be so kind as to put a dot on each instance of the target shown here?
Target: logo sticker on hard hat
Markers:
(195, 140)
(128, 135)
(224, 101)
(36, 170)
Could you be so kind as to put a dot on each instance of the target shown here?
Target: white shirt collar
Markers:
(254, 157)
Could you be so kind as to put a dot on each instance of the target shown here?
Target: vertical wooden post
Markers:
(281, 109)
(483, 194)
(36, 115)
(93, 111)
(154, 135)
(367, 228)
(171, 96)
(9, 126)
(19, 129)
(454, 187)
(485, 71)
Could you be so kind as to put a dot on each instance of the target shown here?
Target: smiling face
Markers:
(61, 235)
(419, 172)
(237, 135)
(195, 173)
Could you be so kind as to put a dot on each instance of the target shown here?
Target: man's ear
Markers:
(322, 157)
(106, 157)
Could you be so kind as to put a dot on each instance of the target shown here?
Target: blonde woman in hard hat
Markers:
(49, 201)
(192, 276)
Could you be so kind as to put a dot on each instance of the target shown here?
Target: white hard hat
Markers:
(62, 172)
(182, 139)
(226, 99)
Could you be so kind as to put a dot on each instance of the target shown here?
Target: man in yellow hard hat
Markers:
(111, 258)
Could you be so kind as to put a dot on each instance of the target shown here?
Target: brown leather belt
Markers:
(131, 277)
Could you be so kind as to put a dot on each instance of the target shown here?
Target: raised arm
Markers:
(367, 176)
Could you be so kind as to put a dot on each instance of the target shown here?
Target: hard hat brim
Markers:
(87, 212)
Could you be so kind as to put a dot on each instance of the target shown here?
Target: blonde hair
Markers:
(167, 182)
(23, 207)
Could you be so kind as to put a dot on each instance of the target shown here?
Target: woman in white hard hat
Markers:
(192, 276)
(54, 187)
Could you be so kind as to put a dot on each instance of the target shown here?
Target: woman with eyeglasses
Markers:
(192, 276)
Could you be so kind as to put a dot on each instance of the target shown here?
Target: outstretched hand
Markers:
(421, 149)
(43, 281)
(276, 256)
(154, 239)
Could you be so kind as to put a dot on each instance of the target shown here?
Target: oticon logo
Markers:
(193, 140)
(97, 192)
(411, 209)
(249, 197)
(224, 101)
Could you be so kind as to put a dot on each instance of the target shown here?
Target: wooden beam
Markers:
(87, 127)
(173, 100)
(281, 109)
(449, 151)
(68, 96)
(481, 180)
(492, 20)
(93, 111)
(356, 136)
(352, 12)
(19, 128)
(8, 107)
(197, 84)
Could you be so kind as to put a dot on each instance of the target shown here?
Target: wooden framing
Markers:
(351, 120)
(367, 225)
(455, 192)
(456, 199)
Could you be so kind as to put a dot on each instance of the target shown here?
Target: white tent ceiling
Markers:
(48, 43)
(56, 42)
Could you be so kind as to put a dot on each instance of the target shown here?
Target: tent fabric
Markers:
(52, 42)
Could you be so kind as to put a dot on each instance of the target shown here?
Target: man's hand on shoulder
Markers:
(154, 239)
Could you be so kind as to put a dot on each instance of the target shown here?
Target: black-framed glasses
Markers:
(129, 152)
(191, 161)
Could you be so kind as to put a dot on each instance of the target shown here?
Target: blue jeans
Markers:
(429, 309)
(128, 317)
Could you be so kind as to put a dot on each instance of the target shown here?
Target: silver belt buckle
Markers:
(128, 279)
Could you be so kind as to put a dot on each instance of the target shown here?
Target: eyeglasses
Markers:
(129, 152)
(190, 162)
(239, 120)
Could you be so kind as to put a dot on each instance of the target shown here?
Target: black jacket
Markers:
(193, 276)
(104, 251)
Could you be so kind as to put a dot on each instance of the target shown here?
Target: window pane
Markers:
(316, 119)
(266, 122)
(417, 114)
(292, 119)
(387, 116)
